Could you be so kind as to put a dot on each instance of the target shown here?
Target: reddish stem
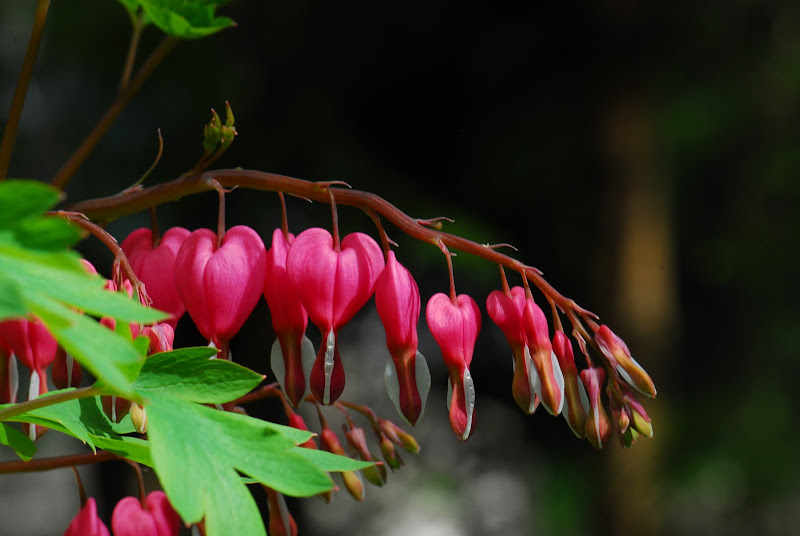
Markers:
(335, 217)
(284, 218)
(46, 464)
(506, 289)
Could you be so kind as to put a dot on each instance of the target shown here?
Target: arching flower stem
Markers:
(284, 218)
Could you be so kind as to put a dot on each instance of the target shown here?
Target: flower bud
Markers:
(9, 377)
(329, 442)
(576, 403)
(598, 427)
(115, 407)
(548, 381)
(139, 418)
(375, 474)
(281, 522)
(619, 357)
(398, 436)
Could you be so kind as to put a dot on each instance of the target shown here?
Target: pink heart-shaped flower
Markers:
(220, 287)
(154, 266)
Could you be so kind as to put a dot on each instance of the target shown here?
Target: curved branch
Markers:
(112, 207)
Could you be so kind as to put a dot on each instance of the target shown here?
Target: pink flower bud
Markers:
(352, 481)
(154, 266)
(115, 407)
(158, 518)
(455, 327)
(619, 357)
(220, 287)
(332, 286)
(549, 381)
(292, 353)
(87, 522)
(506, 311)
(357, 439)
(576, 402)
(296, 421)
(598, 427)
(407, 377)
(281, 522)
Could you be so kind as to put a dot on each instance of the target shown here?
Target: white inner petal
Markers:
(330, 344)
(13, 378)
(33, 392)
(469, 398)
(277, 364)
(533, 377)
(559, 379)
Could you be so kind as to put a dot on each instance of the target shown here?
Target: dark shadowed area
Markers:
(645, 158)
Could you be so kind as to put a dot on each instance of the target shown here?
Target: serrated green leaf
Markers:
(132, 448)
(331, 462)
(198, 452)
(186, 19)
(189, 374)
(21, 199)
(22, 445)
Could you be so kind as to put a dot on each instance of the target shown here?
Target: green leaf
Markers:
(47, 233)
(131, 6)
(197, 453)
(132, 448)
(189, 374)
(22, 445)
(186, 19)
(10, 300)
(331, 462)
(24, 199)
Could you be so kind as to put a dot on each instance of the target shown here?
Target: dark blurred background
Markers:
(645, 157)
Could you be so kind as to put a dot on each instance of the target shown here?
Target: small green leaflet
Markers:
(185, 19)
(24, 447)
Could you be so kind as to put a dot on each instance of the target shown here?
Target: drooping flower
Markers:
(506, 311)
(154, 266)
(281, 522)
(292, 353)
(549, 381)
(598, 427)
(455, 327)
(220, 286)
(87, 522)
(407, 377)
(66, 372)
(619, 357)
(332, 286)
(156, 518)
(576, 402)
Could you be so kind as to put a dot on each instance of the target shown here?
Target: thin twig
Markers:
(93, 138)
(58, 462)
(18, 100)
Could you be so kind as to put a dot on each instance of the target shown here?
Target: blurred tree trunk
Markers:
(636, 255)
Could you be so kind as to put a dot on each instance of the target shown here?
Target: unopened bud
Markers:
(398, 435)
(376, 473)
(139, 418)
(281, 522)
(598, 427)
(619, 357)
(115, 407)
(390, 454)
(66, 372)
(576, 402)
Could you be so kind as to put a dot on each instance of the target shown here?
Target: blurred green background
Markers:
(645, 157)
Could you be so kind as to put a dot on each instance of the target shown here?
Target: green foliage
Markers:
(24, 447)
(185, 19)
(188, 374)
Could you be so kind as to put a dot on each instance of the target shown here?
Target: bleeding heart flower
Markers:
(281, 522)
(598, 427)
(506, 311)
(549, 381)
(407, 377)
(87, 522)
(332, 286)
(292, 353)
(35, 348)
(576, 403)
(157, 518)
(220, 286)
(154, 266)
(9, 378)
(455, 327)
